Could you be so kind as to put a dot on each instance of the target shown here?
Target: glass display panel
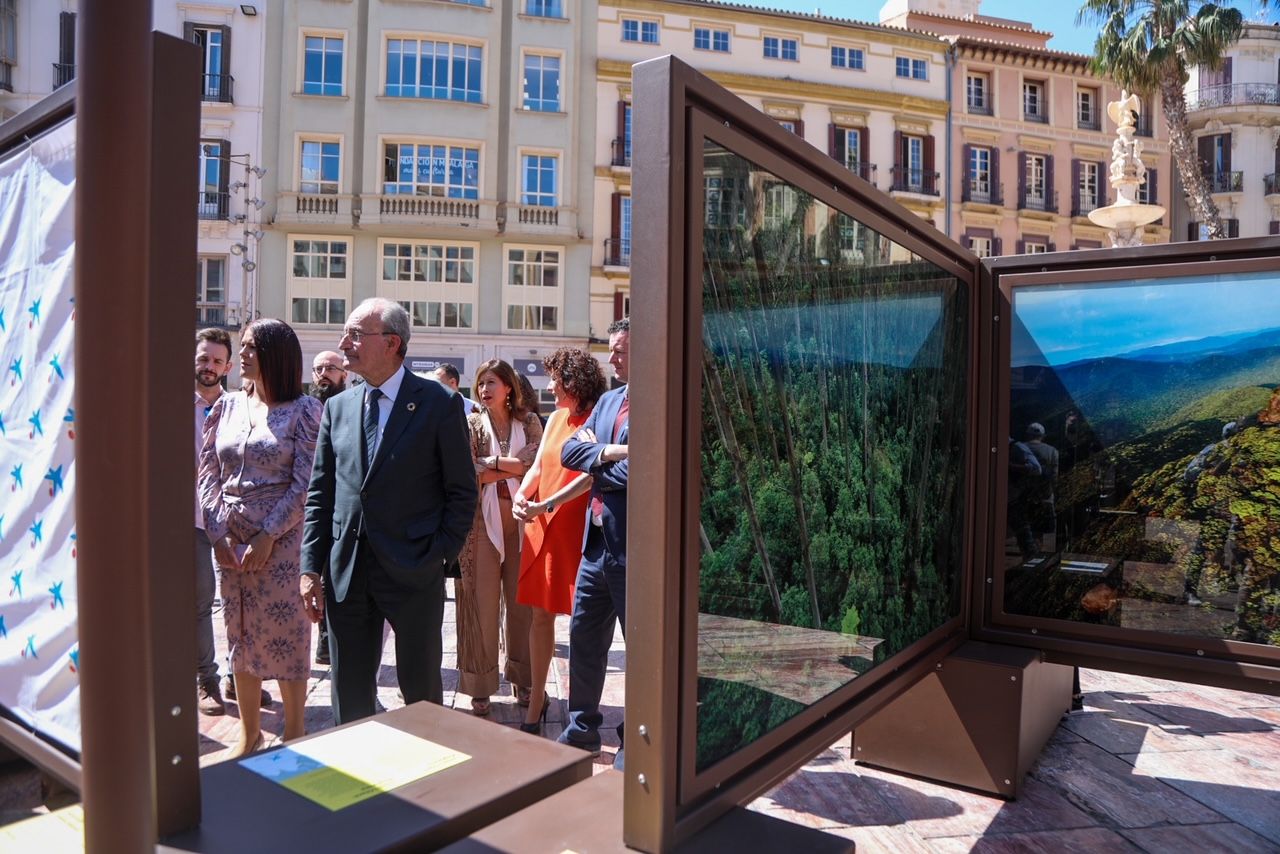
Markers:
(833, 460)
(1144, 456)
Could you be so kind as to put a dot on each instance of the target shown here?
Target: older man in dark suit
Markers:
(600, 598)
(392, 495)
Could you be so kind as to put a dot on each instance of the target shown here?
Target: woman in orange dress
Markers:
(552, 502)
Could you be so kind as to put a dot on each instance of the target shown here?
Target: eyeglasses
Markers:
(320, 369)
(356, 334)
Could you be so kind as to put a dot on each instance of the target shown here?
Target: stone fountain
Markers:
(1125, 218)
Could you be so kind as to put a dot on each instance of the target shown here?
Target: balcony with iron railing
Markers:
(1233, 95)
(1044, 203)
(1038, 115)
(914, 181)
(865, 171)
(1088, 122)
(1271, 184)
(217, 88)
(982, 192)
(211, 314)
(617, 252)
(979, 109)
(211, 205)
(1082, 207)
(63, 73)
(1225, 182)
(620, 152)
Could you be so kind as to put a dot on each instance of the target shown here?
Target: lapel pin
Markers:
(411, 407)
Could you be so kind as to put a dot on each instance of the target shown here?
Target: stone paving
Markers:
(1149, 765)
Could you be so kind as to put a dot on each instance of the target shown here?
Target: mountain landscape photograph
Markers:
(1153, 412)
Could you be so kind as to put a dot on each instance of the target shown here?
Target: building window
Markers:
(1147, 189)
(705, 38)
(1035, 182)
(1087, 115)
(541, 83)
(211, 291)
(213, 195)
(435, 282)
(847, 57)
(980, 246)
(618, 248)
(1033, 105)
(425, 169)
(319, 286)
(322, 65)
(848, 150)
(434, 69)
(544, 8)
(1087, 187)
(532, 292)
(978, 93)
(979, 168)
(723, 203)
(320, 165)
(8, 42)
(634, 30)
(1038, 246)
(780, 202)
(215, 45)
(776, 47)
(538, 180)
(914, 69)
(913, 160)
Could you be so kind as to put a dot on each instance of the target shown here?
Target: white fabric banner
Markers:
(39, 650)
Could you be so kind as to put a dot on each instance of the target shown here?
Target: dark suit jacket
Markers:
(417, 500)
(608, 480)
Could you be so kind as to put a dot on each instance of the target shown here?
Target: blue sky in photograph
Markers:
(1072, 323)
(1056, 18)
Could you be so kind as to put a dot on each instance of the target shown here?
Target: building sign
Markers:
(427, 364)
(531, 367)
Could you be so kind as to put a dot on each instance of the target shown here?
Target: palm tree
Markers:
(1147, 47)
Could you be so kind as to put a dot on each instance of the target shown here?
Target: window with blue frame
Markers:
(847, 57)
(538, 180)
(914, 69)
(634, 30)
(428, 169)
(320, 166)
(434, 69)
(541, 83)
(776, 47)
(544, 8)
(705, 38)
(322, 65)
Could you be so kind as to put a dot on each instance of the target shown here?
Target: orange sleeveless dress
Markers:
(552, 547)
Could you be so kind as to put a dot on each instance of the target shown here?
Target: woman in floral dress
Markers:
(255, 467)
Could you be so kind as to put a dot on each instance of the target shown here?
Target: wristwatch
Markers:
(550, 506)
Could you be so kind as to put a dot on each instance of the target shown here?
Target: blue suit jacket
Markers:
(608, 480)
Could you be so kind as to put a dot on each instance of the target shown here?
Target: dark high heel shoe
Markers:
(535, 728)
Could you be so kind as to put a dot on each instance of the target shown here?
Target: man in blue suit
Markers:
(599, 448)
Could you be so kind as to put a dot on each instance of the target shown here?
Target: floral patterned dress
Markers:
(254, 477)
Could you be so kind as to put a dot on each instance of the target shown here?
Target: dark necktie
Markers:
(371, 424)
(597, 504)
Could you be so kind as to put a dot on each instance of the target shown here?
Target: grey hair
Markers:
(393, 316)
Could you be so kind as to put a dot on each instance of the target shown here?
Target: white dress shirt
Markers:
(389, 390)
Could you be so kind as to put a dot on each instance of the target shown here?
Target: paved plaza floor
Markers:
(1149, 765)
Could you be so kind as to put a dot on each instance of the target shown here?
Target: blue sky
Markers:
(1071, 323)
(1058, 18)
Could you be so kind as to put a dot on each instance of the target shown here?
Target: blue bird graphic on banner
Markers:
(56, 592)
(16, 578)
(3, 432)
(73, 543)
(34, 311)
(55, 480)
(57, 368)
(31, 647)
(70, 420)
(15, 367)
(74, 656)
(34, 421)
(37, 532)
(16, 474)
(3, 328)
(4, 633)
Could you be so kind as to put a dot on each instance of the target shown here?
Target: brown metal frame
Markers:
(1218, 662)
(666, 799)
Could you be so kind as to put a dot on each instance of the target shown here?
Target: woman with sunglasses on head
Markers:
(504, 441)
(255, 466)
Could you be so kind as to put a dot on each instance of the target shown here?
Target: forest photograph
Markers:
(832, 452)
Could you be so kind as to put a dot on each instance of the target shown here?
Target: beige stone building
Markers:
(431, 153)
(1030, 140)
(873, 97)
